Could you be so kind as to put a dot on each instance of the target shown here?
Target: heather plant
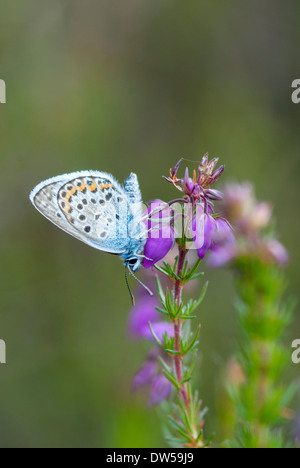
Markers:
(185, 225)
(259, 395)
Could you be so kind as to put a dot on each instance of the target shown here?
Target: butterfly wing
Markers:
(89, 205)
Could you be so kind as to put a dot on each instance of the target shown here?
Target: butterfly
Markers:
(93, 207)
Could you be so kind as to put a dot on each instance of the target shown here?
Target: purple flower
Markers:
(277, 251)
(145, 375)
(211, 233)
(190, 186)
(160, 390)
(161, 233)
(148, 375)
(195, 187)
(240, 206)
(249, 218)
(206, 173)
(188, 183)
(223, 244)
(204, 227)
(144, 312)
(223, 235)
(221, 256)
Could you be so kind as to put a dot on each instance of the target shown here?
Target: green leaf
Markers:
(164, 364)
(172, 379)
(202, 295)
(160, 291)
(197, 275)
(171, 351)
(193, 343)
(162, 270)
(155, 336)
(289, 394)
(184, 317)
(179, 428)
(162, 311)
(195, 268)
(188, 379)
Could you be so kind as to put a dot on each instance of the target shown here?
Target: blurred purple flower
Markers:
(249, 218)
(217, 234)
(160, 389)
(145, 375)
(277, 251)
(148, 375)
(144, 312)
(223, 246)
(223, 234)
(220, 256)
(161, 233)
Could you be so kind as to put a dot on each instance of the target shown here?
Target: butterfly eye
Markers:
(132, 261)
(133, 264)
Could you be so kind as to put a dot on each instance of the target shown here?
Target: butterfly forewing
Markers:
(90, 207)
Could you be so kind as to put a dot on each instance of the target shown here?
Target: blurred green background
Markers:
(125, 86)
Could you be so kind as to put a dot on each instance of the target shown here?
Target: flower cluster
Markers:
(199, 222)
(250, 220)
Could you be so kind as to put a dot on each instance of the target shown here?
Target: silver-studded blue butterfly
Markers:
(93, 207)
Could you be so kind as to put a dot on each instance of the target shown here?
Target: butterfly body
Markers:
(93, 207)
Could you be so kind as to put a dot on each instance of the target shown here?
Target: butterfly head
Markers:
(133, 263)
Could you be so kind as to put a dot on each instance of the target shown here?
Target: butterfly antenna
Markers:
(130, 292)
(140, 282)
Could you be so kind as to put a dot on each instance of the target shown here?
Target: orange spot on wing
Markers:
(71, 192)
(92, 187)
(81, 188)
(105, 186)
